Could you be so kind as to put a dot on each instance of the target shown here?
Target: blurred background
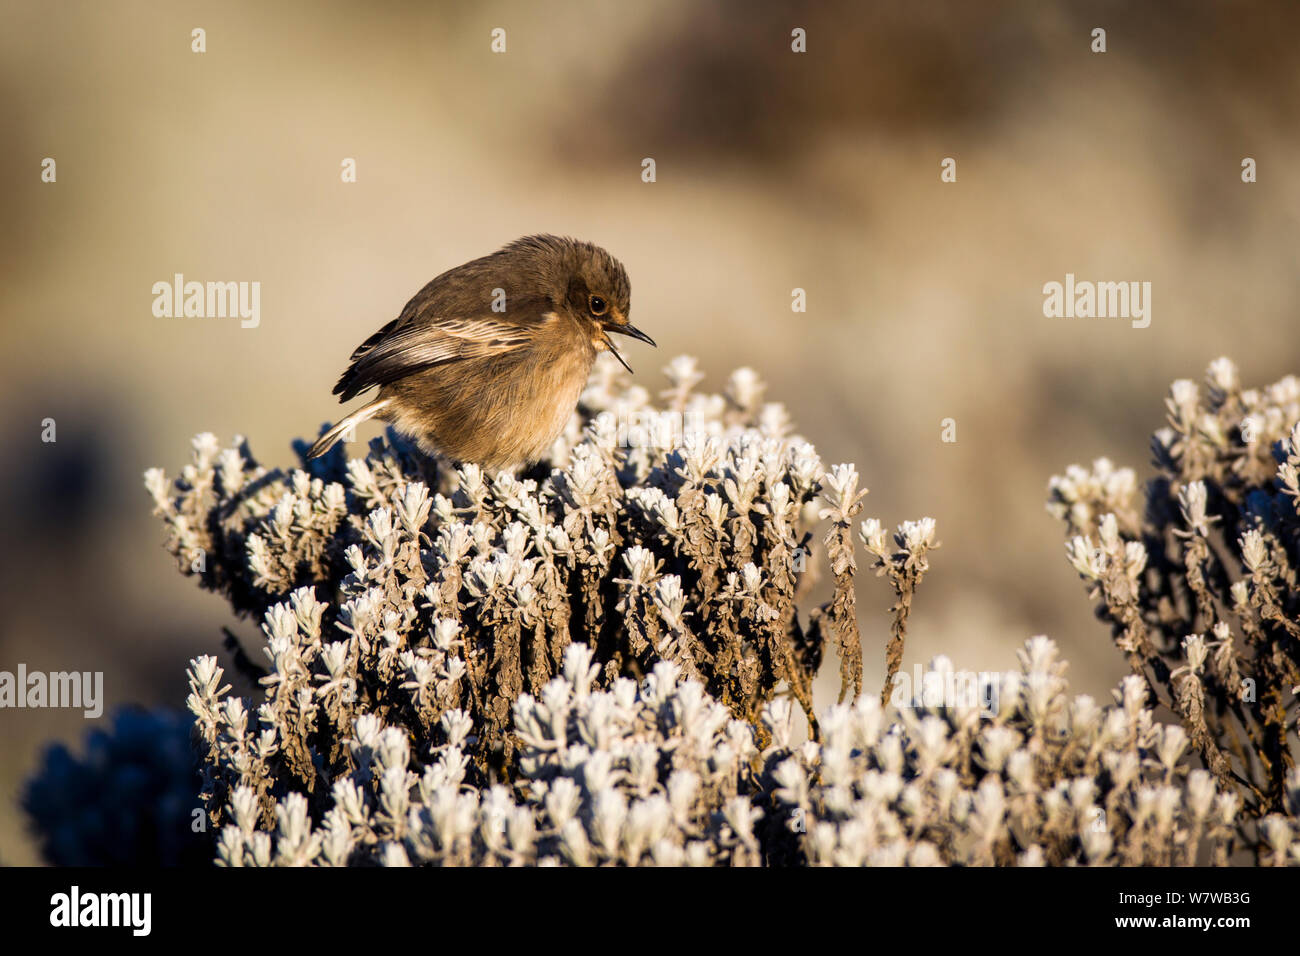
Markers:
(775, 170)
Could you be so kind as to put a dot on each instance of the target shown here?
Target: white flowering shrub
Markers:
(602, 661)
(1045, 779)
(661, 774)
(651, 774)
(1198, 580)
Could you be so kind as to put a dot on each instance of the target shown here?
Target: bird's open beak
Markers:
(633, 331)
(629, 330)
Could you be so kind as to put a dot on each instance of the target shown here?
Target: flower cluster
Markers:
(601, 661)
(654, 774)
(1198, 581)
(1037, 779)
(663, 775)
(404, 589)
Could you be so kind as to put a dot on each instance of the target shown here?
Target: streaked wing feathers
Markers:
(399, 349)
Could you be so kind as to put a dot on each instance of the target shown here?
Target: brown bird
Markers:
(486, 363)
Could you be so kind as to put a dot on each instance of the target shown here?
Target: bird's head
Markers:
(597, 292)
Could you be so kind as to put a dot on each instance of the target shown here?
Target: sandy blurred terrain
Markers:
(775, 171)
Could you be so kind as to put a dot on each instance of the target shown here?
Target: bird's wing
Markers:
(404, 346)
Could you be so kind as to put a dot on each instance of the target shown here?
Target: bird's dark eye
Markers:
(597, 304)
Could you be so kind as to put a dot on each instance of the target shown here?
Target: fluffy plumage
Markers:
(486, 362)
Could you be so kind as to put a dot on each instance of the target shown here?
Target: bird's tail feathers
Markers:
(364, 413)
